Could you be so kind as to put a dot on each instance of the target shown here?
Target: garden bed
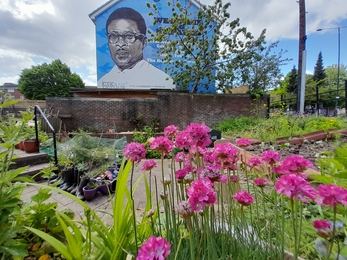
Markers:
(309, 150)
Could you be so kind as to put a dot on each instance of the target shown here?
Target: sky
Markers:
(36, 31)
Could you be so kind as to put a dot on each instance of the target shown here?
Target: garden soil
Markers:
(312, 151)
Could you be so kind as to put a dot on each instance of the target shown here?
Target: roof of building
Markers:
(9, 85)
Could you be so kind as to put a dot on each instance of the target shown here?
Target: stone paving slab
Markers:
(103, 203)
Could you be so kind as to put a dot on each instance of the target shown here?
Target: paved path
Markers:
(102, 202)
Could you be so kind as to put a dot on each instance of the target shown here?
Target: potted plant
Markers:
(94, 186)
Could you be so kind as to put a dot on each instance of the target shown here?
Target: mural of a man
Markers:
(126, 33)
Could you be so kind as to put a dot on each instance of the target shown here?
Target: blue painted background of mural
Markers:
(150, 53)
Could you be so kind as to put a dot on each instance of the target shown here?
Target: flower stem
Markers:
(133, 204)
(191, 242)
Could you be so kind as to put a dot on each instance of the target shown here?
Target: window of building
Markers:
(10, 90)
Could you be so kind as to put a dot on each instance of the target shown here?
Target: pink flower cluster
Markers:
(254, 161)
(194, 136)
(149, 165)
(294, 186)
(270, 157)
(260, 182)
(294, 164)
(243, 142)
(201, 194)
(170, 131)
(134, 152)
(162, 144)
(331, 195)
(155, 248)
(212, 172)
(244, 198)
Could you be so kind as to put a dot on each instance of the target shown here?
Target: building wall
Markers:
(101, 114)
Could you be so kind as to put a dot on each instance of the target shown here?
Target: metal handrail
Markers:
(37, 108)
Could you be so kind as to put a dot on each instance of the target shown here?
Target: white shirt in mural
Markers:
(142, 76)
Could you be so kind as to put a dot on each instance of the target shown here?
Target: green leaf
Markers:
(59, 246)
(321, 179)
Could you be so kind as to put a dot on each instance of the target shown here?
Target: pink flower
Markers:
(223, 179)
(243, 142)
(319, 223)
(162, 144)
(183, 140)
(155, 248)
(225, 150)
(260, 182)
(234, 178)
(295, 164)
(201, 194)
(181, 157)
(180, 174)
(243, 197)
(150, 140)
(323, 228)
(149, 165)
(270, 157)
(134, 152)
(184, 209)
(199, 136)
(294, 186)
(331, 195)
(209, 156)
(170, 131)
(211, 172)
(254, 161)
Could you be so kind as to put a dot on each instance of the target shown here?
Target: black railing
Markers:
(37, 108)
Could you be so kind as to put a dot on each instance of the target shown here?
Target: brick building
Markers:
(11, 89)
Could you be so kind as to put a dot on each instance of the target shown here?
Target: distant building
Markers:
(11, 89)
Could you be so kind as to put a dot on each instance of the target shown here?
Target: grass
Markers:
(268, 129)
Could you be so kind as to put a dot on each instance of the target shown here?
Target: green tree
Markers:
(319, 74)
(259, 68)
(203, 42)
(48, 80)
(292, 80)
(331, 72)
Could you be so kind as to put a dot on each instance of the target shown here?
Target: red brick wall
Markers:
(100, 114)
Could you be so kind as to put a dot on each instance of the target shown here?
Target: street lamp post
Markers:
(338, 58)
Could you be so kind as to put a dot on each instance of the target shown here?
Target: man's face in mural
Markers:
(125, 42)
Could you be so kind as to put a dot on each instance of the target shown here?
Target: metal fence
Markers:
(327, 103)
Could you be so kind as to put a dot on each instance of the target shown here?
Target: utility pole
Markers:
(302, 57)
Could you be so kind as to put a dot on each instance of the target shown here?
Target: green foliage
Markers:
(91, 236)
(48, 80)
(268, 129)
(143, 136)
(259, 67)
(204, 43)
(319, 72)
(293, 81)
